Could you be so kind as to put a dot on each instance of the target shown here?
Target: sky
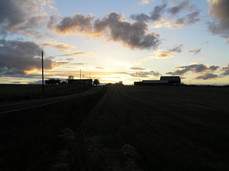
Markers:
(122, 40)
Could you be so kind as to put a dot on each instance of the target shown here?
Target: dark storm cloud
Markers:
(144, 74)
(179, 7)
(195, 68)
(177, 49)
(207, 76)
(154, 16)
(220, 11)
(114, 27)
(17, 57)
(20, 16)
(195, 51)
(225, 70)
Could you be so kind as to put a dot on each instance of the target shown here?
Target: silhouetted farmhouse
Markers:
(80, 81)
(174, 80)
(164, 80)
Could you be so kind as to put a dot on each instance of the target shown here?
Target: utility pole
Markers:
(80, 74)
(42, 70)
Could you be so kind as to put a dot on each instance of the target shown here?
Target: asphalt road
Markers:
(29, 104)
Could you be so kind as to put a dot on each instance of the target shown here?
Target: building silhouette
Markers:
(164, 80)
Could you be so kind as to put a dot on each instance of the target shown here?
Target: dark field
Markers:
(17, 92)
(122, 128)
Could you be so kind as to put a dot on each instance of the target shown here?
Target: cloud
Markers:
(225, 70)
(22, 16)
(179, 7)
(99, 67)
(189, 15)
(163, 54)
(79, 63)
(137, 68)
(157, 12)
(189, 19)
(154, 16)
(76, 53)
(53, 19)
(195, 51)
(60, 46)
(177, 49)
(144, 2)
(76, 24)
(207, 76)
(17, 57)
(219, 9)
(144, 74)
(114, 27)
(69, 59)
(195, 68)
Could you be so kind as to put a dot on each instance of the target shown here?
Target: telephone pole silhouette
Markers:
(42, 72)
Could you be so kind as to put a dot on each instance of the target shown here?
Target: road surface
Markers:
(28, 104)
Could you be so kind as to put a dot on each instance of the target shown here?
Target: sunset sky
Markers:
(120, 40)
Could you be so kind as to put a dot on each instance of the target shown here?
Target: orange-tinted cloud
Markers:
(60, 46)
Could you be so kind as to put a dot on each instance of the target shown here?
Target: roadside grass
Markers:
(16, 92)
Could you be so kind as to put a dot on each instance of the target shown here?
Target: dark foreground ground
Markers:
(122, 128)
(18, 92)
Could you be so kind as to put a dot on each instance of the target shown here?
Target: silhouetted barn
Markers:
(80, 81)
(138, 83)
(164, 80)
(155, 82)
(172, 80)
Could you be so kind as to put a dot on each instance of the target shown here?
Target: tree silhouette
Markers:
(52, 81)
(96, 82)
(70, 77)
